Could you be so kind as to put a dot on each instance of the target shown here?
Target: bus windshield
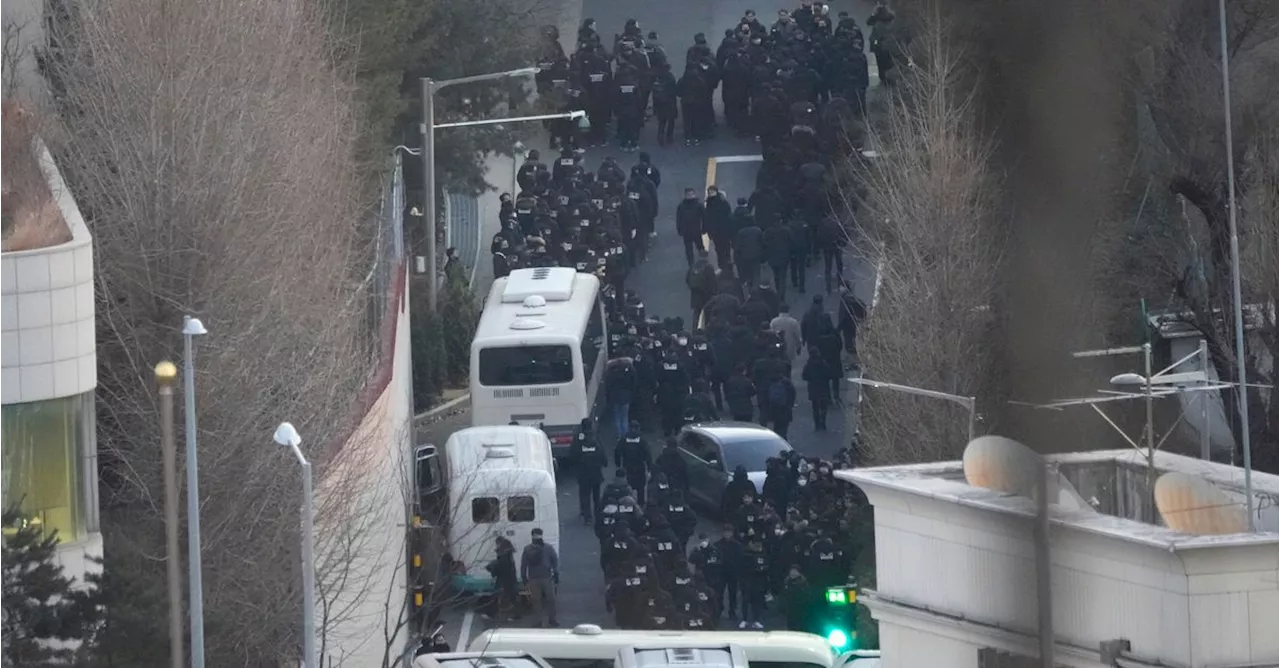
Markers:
(525, 365)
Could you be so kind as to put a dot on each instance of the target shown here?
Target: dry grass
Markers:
(31, 216)
(211, 146)
(930, 214)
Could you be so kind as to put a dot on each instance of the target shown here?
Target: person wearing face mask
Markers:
(749, 520)
(540, 572)
(730, 554)
(673, 387)
(739, 488)
(822, 562)
(754, 584)
(777, 483)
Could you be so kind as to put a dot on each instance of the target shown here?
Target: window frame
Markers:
(495, 514)
(532, 507)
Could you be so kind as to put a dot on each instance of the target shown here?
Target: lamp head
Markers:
(193, 327)
(166, 372)
(287, 436)
(1128, 379)
(519, 147)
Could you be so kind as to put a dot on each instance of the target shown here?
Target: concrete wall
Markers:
(362, 496)
(48, 344)
(947, 561)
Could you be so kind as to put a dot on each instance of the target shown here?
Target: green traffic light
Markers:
(838, 639)
(837, 596)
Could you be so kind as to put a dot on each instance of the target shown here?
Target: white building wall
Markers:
(49, 340)
(1197, 607)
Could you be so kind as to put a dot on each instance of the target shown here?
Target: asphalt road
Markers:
(660, 281)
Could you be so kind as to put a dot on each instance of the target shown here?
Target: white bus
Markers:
(538, 356)
(589, 646)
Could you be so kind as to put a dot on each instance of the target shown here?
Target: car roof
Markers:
(727, 433)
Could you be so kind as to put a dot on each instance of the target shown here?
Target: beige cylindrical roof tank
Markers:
(1001, 464)
(1193, 505)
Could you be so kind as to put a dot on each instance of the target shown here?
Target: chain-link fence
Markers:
(382, 282)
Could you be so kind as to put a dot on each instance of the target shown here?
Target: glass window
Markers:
(484, 510)
(753, 454)
(700, 447)
(49, 468)
(526, 365)
(592, 342)
(520, 509)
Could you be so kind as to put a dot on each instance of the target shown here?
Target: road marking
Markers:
(739, 158)
(464, 634)
(442, 407)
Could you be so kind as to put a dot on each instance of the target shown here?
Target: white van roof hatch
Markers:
(552, 284)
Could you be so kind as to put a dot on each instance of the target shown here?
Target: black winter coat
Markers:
(690, 215)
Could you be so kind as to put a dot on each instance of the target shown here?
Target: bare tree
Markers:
(210, 146)
(931, 219)
(1184, 96)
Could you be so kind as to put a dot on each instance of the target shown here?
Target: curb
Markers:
(442, 407)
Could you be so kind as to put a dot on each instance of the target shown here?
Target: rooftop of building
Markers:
(30, 212)
(1110, 481)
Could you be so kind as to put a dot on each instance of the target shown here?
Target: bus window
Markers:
(580, 663)
(520, 509)
(592, 340)
(484, 510)
(525, 365)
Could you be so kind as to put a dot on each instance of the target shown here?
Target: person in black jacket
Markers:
(739, 488)
(813, 322)
(729, 553)
(748, 250)
(505, 576)
(799, 233)
(633, 456)
(818, 375)
(738, 394)
(665, 108)
(718, 224)
(832, 238)
(619, 390)
(851, 313)
(777, 253)
(591, 461)
(690, 215)
(782, 401)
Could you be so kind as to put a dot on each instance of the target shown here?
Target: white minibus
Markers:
(538, 355)
(589, 646)
(500, 482)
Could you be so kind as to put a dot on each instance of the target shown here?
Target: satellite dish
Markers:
(1002, 465)
(1193, 505)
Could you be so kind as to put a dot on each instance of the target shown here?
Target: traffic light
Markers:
(839, 628)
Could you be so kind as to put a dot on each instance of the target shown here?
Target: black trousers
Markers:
(588, 498)
(781, 424)
(724, 252)
(692, 245)
(797, 266)
(728, 585)
(819, 415)
(780, 280)
(636, 480)
(666, 130)
(832, 258)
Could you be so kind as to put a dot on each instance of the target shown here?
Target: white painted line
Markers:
(464, 634)
(442, 407)
(739, 158)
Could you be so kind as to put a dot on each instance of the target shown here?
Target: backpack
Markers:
(778, 395)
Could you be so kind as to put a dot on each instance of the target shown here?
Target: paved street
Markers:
(660, 280)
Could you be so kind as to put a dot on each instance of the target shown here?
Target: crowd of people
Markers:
(795, 87)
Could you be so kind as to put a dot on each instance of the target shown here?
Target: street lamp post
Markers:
(166, 373)
(1242, 401)
(969, 403)
(517, 154)
(429, 89)
(287, 436)
(191, 328)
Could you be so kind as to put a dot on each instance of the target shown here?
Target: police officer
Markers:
(822, 562)
(617, 489)
(658, 491)
(673, 387)
(665, 99)
(690, 218)
(701, 279)
(681, 518)
(797, 599)
(590, 460)
(632, 456)
(754, 583)
(628, 105)
(729, 554)
(718, 224)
